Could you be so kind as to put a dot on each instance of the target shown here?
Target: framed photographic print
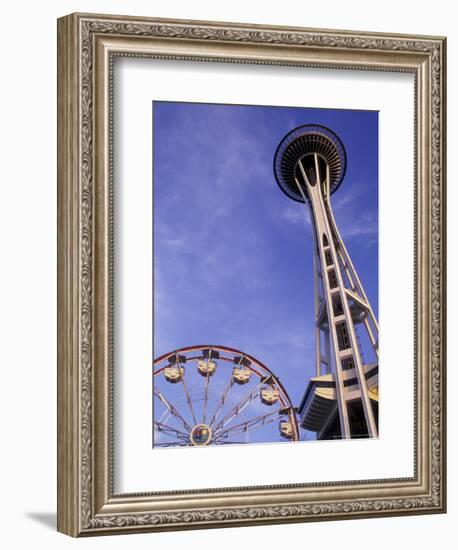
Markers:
(251, 274)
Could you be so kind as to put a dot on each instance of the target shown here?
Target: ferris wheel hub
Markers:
(200, 435)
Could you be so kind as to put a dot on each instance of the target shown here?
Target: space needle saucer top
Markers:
(303, 143)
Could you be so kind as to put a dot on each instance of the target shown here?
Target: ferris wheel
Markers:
(215, 395)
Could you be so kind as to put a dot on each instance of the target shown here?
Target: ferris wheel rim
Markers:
(268, 377)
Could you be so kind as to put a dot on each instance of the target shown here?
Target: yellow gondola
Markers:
(174, 374)
(286, 430)
(269, 395)
(206, 367)
(241, 375)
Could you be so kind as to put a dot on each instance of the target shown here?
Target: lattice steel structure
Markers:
(341, 401)
(215, 395)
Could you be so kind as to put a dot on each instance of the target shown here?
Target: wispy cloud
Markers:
(296, 214)
(354, 222)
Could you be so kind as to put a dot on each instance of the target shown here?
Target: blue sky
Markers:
(232, 254)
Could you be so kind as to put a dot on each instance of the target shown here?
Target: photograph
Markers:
(265, 262)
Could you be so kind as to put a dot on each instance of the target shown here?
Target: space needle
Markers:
(341, 400)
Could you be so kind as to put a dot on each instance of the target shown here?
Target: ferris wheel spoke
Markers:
(221, 401)
(188, 400)
(173, 410)
(207, 383)
(238, 408)
(223, 397)
(250, 424)
(171, 431)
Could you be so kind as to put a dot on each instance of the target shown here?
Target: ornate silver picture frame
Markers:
(88, 45)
